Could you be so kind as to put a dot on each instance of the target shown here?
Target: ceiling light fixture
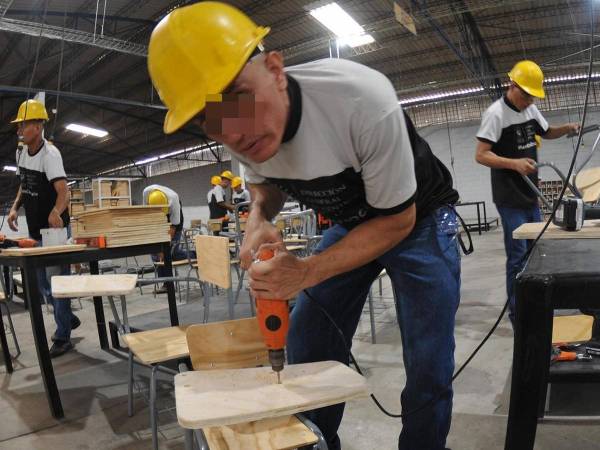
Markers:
(348, 31)
(88, 131)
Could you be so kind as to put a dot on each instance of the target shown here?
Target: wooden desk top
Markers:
(590, 230)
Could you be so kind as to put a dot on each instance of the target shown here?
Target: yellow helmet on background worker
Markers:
(157, 197)
(31, 110)
(228, 174)
(196, 51)
(215, 179)
(529, 77)
(237, 181)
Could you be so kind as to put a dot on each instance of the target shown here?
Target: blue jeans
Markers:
(424, 270)
(63, 316)
(177, 252)
(513, 218)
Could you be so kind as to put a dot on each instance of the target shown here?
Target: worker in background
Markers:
(227, 177)
(158, 195)
(217, 203)
(240, 195)
(44, 194)
(506, 142)
(331, 134)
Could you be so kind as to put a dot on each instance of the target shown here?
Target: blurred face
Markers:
(30, 131)
(238, 189)
(225, 183)
(519, 97)
(250, 117)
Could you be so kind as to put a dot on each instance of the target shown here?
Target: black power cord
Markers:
(359, 370)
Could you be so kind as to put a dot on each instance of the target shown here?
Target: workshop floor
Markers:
(93, 382)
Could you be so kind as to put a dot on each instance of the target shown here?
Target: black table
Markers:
(485, 225)
(29, 266)
(560, 274)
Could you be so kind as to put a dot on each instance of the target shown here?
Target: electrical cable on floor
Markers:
(488, 335)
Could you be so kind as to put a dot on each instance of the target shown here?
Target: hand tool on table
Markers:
(6, 242)
(273, 320)
(565, 352)
(97, 242)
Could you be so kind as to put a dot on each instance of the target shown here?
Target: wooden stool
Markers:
(239, 344)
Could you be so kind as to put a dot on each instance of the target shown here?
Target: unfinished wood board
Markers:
(163, 344)
(224, 397)
(590, 230)
(233, 344)
(277, 433)
(131, 209)
(42, 250)
(572, 328)
(212, 253)
(92, 285)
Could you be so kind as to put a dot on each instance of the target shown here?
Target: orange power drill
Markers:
(273, 319)
(21, 243)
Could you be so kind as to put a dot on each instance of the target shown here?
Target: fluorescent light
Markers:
(141, 162)
(10, 168)
(348, 30)
(86, 130)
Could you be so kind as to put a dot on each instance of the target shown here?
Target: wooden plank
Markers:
(92, 285)
(277, 433)
(233, 344)
(590, 230)
(212, 253)
(572, 328)
(163, 344)
(224, 397)
(129, 209)
(42, 250)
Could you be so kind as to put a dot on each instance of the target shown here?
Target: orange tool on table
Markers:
(21, 242)
(273, 319)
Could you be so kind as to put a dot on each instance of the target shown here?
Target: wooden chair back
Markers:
(212, 254)
(232, 344)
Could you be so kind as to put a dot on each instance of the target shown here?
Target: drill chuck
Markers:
(277, 359)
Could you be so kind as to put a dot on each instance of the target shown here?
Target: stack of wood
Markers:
(124, 226)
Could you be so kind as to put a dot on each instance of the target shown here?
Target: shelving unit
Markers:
(88, 194)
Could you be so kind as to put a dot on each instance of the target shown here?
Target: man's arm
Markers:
(267, 201)
(13, 215)
(485, 156)
(555, 132)
(285, 275)
(62, 201)
(227, 206)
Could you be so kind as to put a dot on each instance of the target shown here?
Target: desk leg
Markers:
(32, 294)
(487, 227)
(5, 349)
(478, 219)
(99, 310)
(166, 250)
(531, 357)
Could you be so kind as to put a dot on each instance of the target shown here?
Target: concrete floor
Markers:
(93, 382)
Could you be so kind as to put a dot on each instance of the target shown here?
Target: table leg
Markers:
(487, 227)
(478, 219)
(99, 310)
(166, 250)
(5, 349)
(531, 356)
(32, 293)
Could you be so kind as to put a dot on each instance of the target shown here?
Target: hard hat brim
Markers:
(539, 93)
(177, 118)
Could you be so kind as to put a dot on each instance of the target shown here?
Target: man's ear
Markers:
(274, 64)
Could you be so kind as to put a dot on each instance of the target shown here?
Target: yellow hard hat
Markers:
(215, 179)
(529, 77)
(31, 110)
(227, 174)
(237, 181)
(158, 197)
(196, 51)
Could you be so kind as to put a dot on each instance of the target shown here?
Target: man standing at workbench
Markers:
(44, 194)
(506, 142)
(331, 134)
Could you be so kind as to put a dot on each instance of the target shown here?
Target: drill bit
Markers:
(278, 378)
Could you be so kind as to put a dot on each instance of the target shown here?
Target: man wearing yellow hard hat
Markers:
(506, 142)
(157, 195)
(218, 205)
(331, 134)
(44, 194)
(240, 195)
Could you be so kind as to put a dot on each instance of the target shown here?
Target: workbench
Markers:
(30, 264)
(560, 274)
